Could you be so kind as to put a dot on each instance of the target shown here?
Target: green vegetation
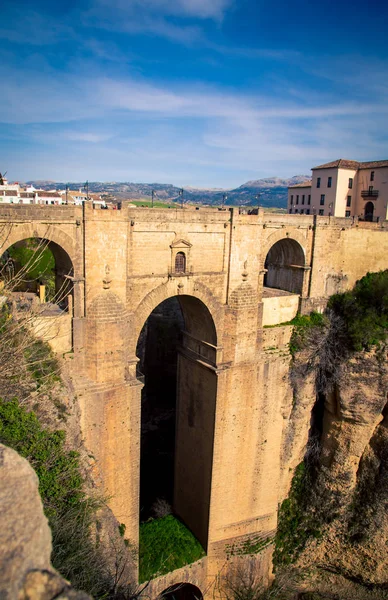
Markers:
(42, 363)
(364, 311)
(166, 544)
(295, 523)
(303, 324)
(69, 511)
(157, 203)
(249, 546)
(35, 260)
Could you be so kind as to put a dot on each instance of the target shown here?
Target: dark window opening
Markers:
(297, 199)
(303, 197)
(180, 262)
(322, 201)
(347, 213)
(321, 212)
(350, 183)
(349, 201)
(307, 211)
(309, 199)
(329, 180)
(372, 176)
(318, 182)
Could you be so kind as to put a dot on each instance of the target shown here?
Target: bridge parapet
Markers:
(39, 212)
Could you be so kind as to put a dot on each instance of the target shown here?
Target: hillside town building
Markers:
(14, 193)
(343, 188)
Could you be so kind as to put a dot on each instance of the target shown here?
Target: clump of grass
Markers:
(165, 545)
(42, 363)
(296, 524)
(303, 324)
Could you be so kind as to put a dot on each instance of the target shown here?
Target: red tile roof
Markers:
(305, 184)
(374, 164)
(342, 163)
(42, 194)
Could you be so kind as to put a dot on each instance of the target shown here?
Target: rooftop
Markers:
(305, 184)
(343, 163)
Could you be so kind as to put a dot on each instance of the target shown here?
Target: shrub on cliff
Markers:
(70, 513)
(364, 311)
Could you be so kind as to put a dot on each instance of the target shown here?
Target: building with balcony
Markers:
(343, 188)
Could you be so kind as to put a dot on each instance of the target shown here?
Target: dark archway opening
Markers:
(176, 351)
(157, 350)
(368, 211)
(39, 267)
(182, 591)
(284, 266)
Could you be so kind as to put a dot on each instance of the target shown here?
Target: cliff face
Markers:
(345, 495)
(25, 538)
(353, 471)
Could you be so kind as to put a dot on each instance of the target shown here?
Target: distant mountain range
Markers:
(272, 190)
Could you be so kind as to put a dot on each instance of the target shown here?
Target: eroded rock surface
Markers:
(25, 538)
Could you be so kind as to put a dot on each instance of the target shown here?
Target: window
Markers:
(303, 199)
(347, 213)
(180, 262)
(329, 180)
(350, 183)
(372, 176)
(301, 211)
(321, 211)
(290, 211)
(322, 202)
(349, 201)
(297, 199)
(370, 188)
(292, 199)
(307, 211)
(318, 182)
(309, 199)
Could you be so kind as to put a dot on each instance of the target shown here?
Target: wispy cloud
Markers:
(202, 9)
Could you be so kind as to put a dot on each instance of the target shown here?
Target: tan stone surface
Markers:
(123, 268)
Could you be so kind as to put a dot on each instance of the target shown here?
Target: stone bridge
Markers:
(232, 274)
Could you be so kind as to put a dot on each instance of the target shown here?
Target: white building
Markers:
(343, 188)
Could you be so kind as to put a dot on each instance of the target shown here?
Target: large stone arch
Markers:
(195, 402)
(169, 290)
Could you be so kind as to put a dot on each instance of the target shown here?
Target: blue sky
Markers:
(207, 93)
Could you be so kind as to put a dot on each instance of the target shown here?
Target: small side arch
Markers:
(284, 266)
(182, 591)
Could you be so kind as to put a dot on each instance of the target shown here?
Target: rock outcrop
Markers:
(25, 538)
(348, 493)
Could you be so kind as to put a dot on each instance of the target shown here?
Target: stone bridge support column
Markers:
(238, 514)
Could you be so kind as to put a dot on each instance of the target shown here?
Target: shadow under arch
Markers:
(177, 352)
(182, 591)
(35, 270)
(285, 265)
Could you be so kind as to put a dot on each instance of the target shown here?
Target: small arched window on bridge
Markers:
(180, 262)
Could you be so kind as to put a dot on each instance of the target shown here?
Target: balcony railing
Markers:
(369, 193)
